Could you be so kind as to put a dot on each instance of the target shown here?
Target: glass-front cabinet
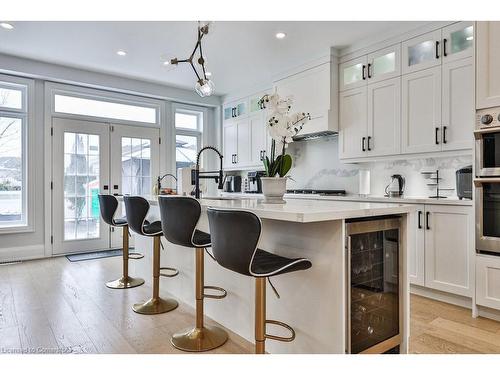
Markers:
(235, 109)
(353, 73)
(422, 52)
(384, 64)
(458, 41)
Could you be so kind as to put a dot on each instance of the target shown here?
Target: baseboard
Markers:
(486, 312)
(442, 296)
(12, 254)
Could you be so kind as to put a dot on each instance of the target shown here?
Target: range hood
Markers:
(310, 136)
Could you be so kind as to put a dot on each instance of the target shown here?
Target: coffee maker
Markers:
(254, 182)
(232, 184)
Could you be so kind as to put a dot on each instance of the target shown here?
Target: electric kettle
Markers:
(396, 186)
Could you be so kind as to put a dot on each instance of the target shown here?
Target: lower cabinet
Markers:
(488, 281)
(443, 254)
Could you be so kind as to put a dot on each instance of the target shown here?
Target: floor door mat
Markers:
(96, 255)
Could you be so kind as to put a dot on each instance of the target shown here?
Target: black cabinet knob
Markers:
(487, 119)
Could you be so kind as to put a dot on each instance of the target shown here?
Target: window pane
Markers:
(186, 121)
(186, 148)
(11, 171)
(81, 186)
(11, 98)
(136, 166)
(99, 108)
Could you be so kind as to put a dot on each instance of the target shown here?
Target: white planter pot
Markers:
(273, 189)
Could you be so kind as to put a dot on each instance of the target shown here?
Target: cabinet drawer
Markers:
(488, 281)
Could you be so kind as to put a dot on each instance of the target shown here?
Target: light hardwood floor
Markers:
(61, 306)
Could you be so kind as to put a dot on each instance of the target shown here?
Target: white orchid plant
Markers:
(282, 127)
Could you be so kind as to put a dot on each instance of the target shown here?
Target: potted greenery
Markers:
(282, 127)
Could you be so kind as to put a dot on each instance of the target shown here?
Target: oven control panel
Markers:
(487, 117)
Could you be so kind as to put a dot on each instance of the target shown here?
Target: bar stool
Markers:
(179, 217)
(137, 209)
(108, 205)
(235, 238)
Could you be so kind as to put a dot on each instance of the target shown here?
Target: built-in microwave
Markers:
(487, 135)
(487, 197)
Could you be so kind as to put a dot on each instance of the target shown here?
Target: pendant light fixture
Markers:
(204, 86)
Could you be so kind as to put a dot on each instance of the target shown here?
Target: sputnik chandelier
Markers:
(204, 86)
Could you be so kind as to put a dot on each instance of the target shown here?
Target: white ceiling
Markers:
(239, 54)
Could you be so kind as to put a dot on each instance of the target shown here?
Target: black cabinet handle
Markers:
(436, 136)
(363, 140)
(105, 187)
(437, 49)
(427, 220)
(364, 72)
(444, 47)
(369, 71)
(235, 158)
(419, 219)
(368, 143)
(444, 134)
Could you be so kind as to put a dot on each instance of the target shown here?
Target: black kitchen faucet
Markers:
(209, 174)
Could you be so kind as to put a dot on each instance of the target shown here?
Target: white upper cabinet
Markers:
(458, 104)
(384, 64)
(230, 140)
(422, 52)
(259, 141)
(353, 73)
(458, 41)
(244, 152)
(421, 122)
(353, 131)
(487, 64)
(235, 109)
(384, 118)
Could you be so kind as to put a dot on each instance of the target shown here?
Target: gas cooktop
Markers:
(318, 192)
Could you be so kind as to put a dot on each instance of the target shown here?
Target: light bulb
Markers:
(205, 87)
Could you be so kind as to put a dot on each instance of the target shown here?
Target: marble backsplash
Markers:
(316, 166)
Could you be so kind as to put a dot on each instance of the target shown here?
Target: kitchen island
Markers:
(313, 302)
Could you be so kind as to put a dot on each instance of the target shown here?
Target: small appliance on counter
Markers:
(464, 182)
(254, 182)
(396, 187)
(232, 184)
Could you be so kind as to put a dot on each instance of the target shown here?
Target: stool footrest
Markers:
(174, 271)
(281, 338)
(215, 296)
(135, 255)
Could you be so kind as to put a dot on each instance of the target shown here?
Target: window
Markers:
(13, 165)
(104, 109)
(188, 128)
(136, 166)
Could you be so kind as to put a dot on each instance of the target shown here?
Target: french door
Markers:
(90, 158)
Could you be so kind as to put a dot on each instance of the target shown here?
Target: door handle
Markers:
(437, 49)
(363, 72)
(369, 70)
(427, 220)
(235, 158)
(363, 140)
(368, 143)
(444, 132)
(419, 219)
(444, 47)
(436, 135)
(105, 187)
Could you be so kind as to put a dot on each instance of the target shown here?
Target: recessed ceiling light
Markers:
(6, 25)
(208, 74)
(280, 35)
(121, 52)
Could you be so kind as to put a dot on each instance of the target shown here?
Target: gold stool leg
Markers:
(125, 281)
(155, 305)
(260, 315)
(201, 338)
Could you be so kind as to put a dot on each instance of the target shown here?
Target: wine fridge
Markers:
(374, 311)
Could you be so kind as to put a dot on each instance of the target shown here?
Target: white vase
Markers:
(273, 189)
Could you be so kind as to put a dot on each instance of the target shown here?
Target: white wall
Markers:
(316, 165)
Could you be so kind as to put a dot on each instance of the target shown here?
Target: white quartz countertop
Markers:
(454, 201)
(305, 210)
